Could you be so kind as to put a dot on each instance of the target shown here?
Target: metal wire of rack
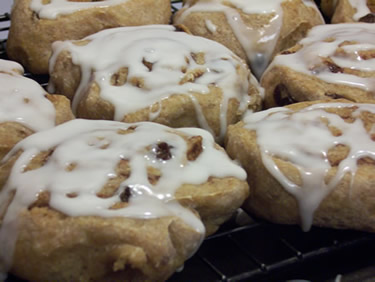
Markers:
(261, 251)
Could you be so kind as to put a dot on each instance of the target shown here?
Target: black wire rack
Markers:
(261, 251)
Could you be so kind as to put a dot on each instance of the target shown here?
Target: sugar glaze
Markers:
(23, 100)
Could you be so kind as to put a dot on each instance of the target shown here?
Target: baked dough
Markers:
(333, 61)
(310, 163)
(35, 26)
(345, 11)
(109, 201)
(25, 107)
(154, 73)
(255, 30)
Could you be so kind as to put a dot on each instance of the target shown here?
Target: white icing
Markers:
(210, 26)
(96, 147)
(308, 58)
(258, 43)
(11, 67)
(304, 140)
(63, 7)
(361, 7)
(170, 52)
(23, 100)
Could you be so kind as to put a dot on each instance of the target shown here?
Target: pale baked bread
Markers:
(310, 163)
(345, 11)
(36, 24)
(25, 107)
(109, 201)
(254, 30)
(154, 73)
(333, 61)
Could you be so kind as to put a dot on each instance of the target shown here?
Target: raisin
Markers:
(369, 18)
(334, 95)
(163, 152)
(125, 195)
(333, 67)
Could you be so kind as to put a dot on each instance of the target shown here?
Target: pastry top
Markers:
(23, 100)
(53, 8)
(79, 159)
(258, 39)
(335, 53)
(144, 65)
(323, 141)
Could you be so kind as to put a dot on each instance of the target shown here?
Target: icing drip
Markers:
(361, 7)
(164, 72)
(343, 44)
(303, 139)
(23, 100)
(63, 7)
(210, 26)
(94, 149)
(258, 43)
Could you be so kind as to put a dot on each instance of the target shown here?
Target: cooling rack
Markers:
(248, 249)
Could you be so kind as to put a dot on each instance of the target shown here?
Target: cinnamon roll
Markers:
(108, 201)
(310, 163)
(154, 73)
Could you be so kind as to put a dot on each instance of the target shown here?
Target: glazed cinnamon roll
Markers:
(154, 73)
(254, 30)
(36, 24)
(310, 163)
(108, 201)
(333, 61)
(25, 107)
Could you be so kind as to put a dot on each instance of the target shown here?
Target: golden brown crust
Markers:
(345, 207)
(30, 37)
(344, 12)
(99, 249)
(297, 20)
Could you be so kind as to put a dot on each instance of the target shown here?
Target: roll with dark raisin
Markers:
(108, 201)
(333, 61)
